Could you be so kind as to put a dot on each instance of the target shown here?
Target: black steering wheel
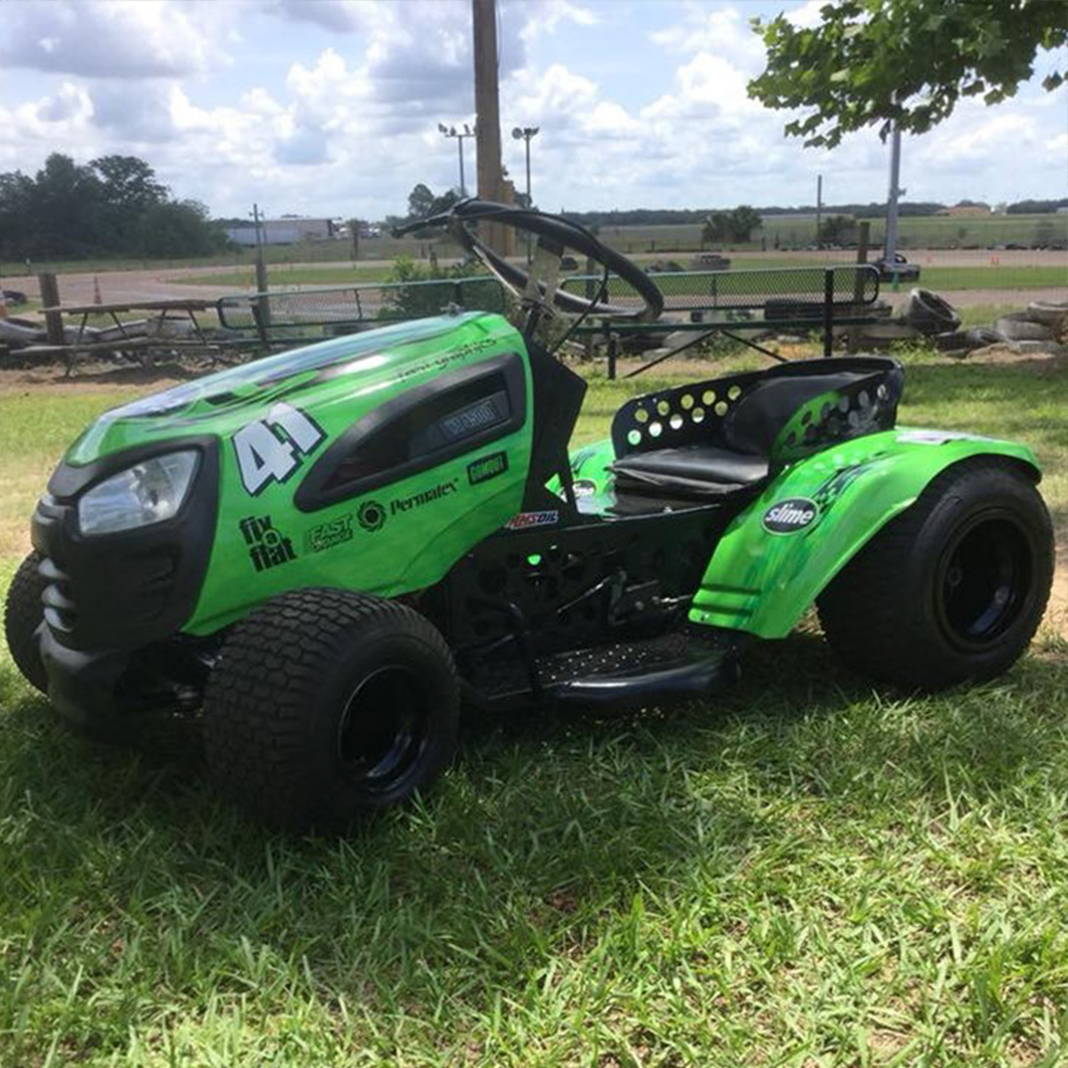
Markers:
(555, 234)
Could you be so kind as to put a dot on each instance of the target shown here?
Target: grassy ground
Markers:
(790, 231)
(806, 872)
(937, 278)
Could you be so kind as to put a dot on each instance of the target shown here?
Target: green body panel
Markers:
(762, 582)
(397, 538)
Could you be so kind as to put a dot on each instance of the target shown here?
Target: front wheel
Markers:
(953, 589)
(23, 615)
(328, 705)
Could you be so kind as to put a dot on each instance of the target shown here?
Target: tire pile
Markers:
(1041, 328)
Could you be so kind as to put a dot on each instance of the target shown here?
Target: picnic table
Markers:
(187, 306)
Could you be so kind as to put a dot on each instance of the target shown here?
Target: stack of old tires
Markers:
(1039, 328)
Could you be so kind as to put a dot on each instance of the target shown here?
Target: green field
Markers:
(805, 872)
(790, 231)
(938, 278)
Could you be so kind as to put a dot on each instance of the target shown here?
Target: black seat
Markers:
(740, 458)
(690, 470)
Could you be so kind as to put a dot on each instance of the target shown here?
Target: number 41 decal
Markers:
(274, 447)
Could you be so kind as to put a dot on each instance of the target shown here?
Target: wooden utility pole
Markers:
(488, 121)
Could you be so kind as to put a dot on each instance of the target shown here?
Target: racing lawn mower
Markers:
(326, 551)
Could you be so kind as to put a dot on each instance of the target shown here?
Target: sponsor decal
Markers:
(937, 437)
(273, 448)
(790, 515)
(487, 467)
(417, 500)
(527, 520)
(585, 487)
(327, 535)
(371, 516)
(267, 546)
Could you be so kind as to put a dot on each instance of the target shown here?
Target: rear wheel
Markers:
(951, 590)
(327, 705)
(23, 614)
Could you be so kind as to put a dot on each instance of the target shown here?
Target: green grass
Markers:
(804, 872)
(937, 278)
(796, 231)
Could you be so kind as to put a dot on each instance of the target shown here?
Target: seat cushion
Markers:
(755, 419)
(700, 470)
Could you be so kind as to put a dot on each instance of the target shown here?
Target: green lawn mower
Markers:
(324, 553)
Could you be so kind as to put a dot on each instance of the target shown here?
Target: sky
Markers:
(331, 107)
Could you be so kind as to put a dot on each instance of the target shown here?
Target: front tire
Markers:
(953, 589)
(328, 705)
(23, 614)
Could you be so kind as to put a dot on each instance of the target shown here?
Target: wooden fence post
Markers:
(50, 299)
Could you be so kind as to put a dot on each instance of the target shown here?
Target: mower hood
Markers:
(361, 364)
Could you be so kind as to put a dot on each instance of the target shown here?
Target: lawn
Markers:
(992, 276)
(804, 872)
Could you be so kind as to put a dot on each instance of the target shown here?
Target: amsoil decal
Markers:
(327, 535)
(487, 467)
(267, 547)
(272, 448)
(417, 500)
(793, 514)
(526, 520)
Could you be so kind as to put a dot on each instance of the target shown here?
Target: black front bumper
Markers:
(111, 596)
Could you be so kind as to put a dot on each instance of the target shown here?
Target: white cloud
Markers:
(114, 39)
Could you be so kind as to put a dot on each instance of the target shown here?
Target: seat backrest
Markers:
(754, 421)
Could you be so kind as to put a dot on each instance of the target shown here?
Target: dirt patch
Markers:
(1040, 363)
(98, 377)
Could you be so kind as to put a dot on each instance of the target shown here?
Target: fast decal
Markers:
(417, 500)
(487, 467)
(790, 515)
(327, 535)
(271, 449)
(527, 520)
(371, 516)
(584, 487)
(267, 546)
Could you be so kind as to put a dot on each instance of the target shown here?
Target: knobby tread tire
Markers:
(872, 613)
(265, 722)
(23, 614)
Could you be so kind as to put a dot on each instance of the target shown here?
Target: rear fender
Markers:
(778, 555)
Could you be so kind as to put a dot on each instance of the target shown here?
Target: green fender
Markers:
(773, 562)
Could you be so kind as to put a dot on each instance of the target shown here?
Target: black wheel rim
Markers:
(383, 729)
(984, 581)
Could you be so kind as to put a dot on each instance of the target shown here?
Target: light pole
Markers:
(451, 131)
(526, 133)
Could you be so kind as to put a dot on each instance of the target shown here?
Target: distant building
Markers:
(285, 231)
(969, 210)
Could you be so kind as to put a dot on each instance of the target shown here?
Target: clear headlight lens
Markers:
(148, 492)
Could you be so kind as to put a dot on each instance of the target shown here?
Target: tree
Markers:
(881, 62)
(736, 225)
(420, 202)
(837, 230)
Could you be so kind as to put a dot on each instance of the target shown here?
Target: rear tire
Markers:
(328, 705)
(23, 614)
(953, 589)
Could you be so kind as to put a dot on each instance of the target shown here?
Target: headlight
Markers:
(148, 492)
